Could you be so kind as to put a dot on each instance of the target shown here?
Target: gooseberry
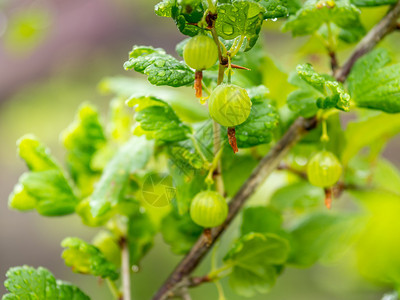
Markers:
(229, 105)
(324, 169)
(201, 52)
(208, 209)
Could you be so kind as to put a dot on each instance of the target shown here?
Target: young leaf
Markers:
(108, 192)
(82, 139)
(259, 126)
(141, 232)
(316, 91)
(261, 219)
(298, 196)
(47, 191)
(29, 283)
(180, 232)
(44, 188)
(156, 119)
(240, 18)
(374, 85)
(254, 258)
(316, 13)
(87, 259)
(161, 68)
(108, 245)
(322, 236)
(36, 156)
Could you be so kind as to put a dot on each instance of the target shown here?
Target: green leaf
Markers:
(316, 91)
(253, 259)
(82, 139)
(161, 68)
(259, 126)
(187, 180)
(373, 84)
(180, 232)
(322, 236)
(164, 8)
(121, 121)
(316, 13)
(368, 131)
(35, 154)
(87, 259)
(240, 18)
(302, 101)
(45, 188)
(378, 173)
(28, 283)
(183, 12)
(274, 8)
(368, 3)
(261, 219)
(157, 120)
(108, 245)
(108, 192)
(141, 232)
(327, 87)
(298, 196)
(47, 191)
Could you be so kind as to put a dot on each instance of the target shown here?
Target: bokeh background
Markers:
(53, 53)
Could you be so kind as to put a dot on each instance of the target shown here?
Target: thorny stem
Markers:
(271, 161)
(126, 272)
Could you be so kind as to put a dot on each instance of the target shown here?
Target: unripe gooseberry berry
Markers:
(208, 209)
(324, 169)
(201, 52)
(229, 105)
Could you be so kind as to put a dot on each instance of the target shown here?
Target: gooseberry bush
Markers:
(187, 165)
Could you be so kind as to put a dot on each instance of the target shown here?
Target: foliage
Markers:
(135, 174)
(29, 283)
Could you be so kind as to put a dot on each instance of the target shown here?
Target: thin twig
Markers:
(374, 36)
(126, 271)
(334, 61)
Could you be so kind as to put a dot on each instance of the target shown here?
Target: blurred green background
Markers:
(52, 56)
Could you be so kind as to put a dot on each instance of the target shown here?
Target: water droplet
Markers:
(159, 63)
(135, 268)
(161, 73)
(227, 29)
(274, 19)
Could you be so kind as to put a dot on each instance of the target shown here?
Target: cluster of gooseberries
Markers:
(228, 104)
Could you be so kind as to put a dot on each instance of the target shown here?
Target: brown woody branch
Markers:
(179, 277)
(374, 36)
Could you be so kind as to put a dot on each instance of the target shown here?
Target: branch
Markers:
(374, 36)
(266, 166)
